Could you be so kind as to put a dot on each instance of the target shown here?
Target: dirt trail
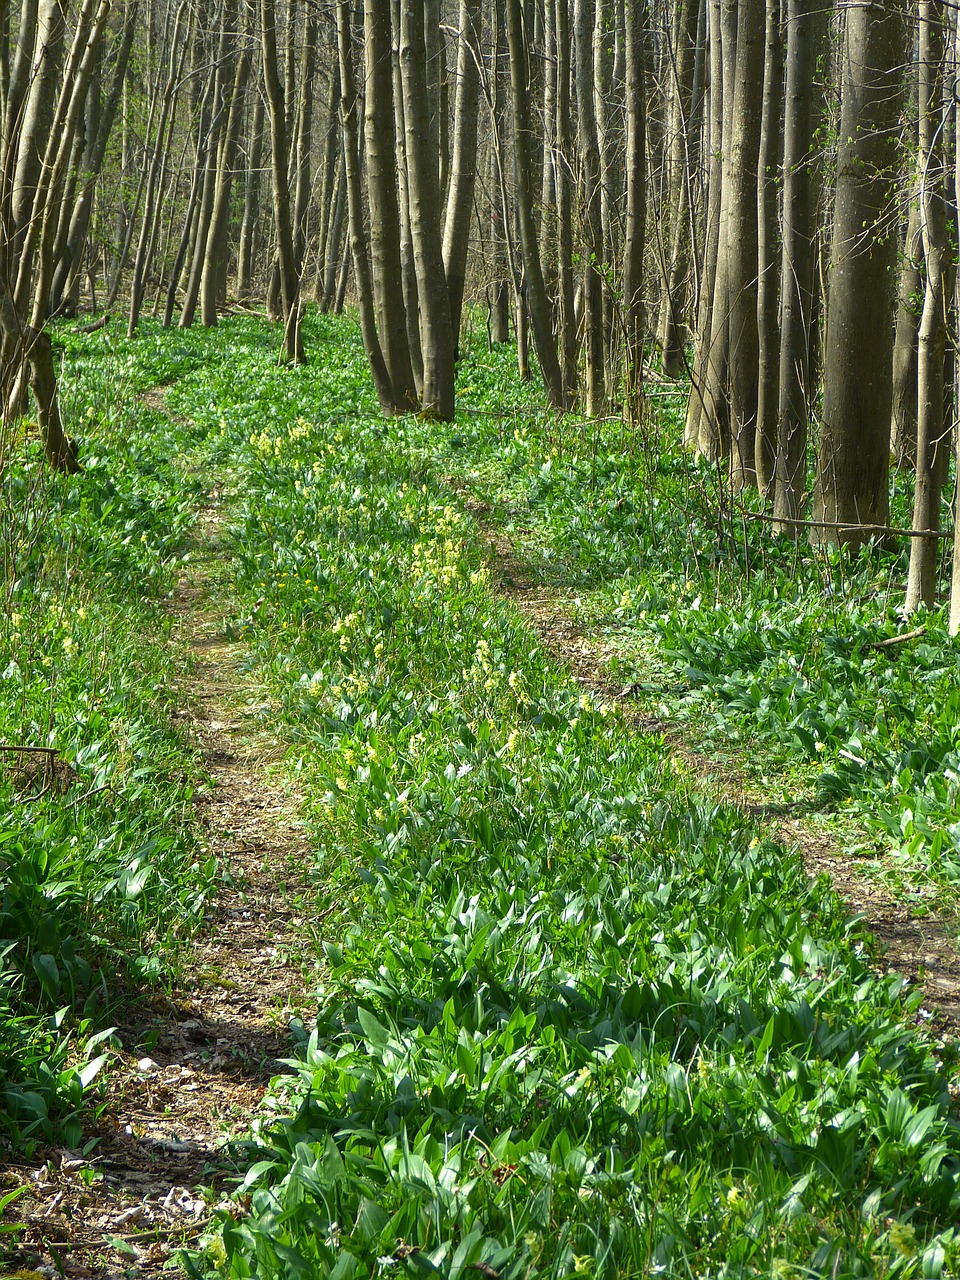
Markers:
(915, 944)
(195, 1063)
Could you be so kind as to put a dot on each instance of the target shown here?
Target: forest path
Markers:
(195, 1063)
(914, 941)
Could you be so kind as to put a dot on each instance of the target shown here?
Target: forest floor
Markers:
(921, 947)
(195, 1060)
(320, 544)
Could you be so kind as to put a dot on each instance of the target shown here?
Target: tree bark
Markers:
(931, 446)
(276, 104)
(351, 164)
(854, 461)
(535, 292)
(423, 174)
(463, 175)
(380, 141)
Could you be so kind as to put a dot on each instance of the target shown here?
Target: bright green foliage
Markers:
(767, 647)
(98, 864)
(572, 1021)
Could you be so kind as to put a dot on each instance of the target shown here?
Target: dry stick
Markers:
(892, 640)
(887, 530)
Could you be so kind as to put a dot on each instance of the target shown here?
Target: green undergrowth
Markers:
(573, 1021)
(101, 870)
(772, 651)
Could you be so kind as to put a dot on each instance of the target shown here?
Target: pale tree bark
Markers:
(225, 57)
(303, 147)
(854, 460)
(535, 292)
(423, 175)
(636, 216)
(164, 100)
(768, 319)
(463, 174)
(797, 261)
(563, 156)
(931, 446)
(676, 269)
(696, 426)
(595, 398)
(714, 435)
(75, 226)
(349, 99)
(251, 200)
(215, 251)
(380, 141)
(35, 277)
(742, 248)
(411, 299)
(36, 155)
(903, 423)
(276, 104)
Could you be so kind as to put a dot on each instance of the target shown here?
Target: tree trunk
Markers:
(636, 164)
(595, 399)
(423, 175)
(742, 243)
(351, 165)
(768, 320)
(380, 141)
(289, 275)
(463, 176)
(903, 424)
(922, 579)
(672, 327)
(854, 461)
(535, 292)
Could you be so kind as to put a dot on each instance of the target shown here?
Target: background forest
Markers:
(763, 201)
(546, 410)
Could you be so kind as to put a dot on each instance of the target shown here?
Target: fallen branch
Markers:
(892, 640)
(94, 325)
(883, 530)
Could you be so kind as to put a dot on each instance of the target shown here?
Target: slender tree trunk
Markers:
(423, 172)
(215, 255)
(349, 98)
(535, 292)
(380, 140)
(853, 466)
(768, 319)
(742, 244)
(459, 212)
(289, 275)
(595, 398)
(636, 164)
(672, 327)
(903, 425)
(922, 579)
(251, 200)
(411, 300)
(566, 288)
(797, 262)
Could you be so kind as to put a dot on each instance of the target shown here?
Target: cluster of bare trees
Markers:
(759, 194)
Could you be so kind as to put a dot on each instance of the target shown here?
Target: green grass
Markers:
(101, 874)
(573, 1019)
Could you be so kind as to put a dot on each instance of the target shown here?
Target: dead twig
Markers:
(892, 640)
